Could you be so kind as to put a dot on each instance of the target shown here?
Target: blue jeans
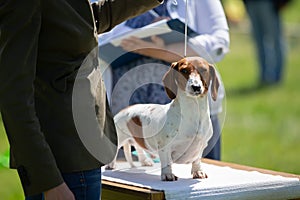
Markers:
(268, 36)
(85, 185)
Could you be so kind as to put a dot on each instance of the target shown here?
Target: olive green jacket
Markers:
(52, 98)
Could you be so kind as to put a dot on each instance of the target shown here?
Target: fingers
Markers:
(158, 41)
(131, 43)
(134, 43)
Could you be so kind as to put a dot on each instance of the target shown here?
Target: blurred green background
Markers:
(262, 127)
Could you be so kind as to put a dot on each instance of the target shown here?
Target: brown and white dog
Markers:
(178, 131)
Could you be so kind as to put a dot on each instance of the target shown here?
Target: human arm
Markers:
(205, 17)
(210, 22)
(156, 48)
(114, 12)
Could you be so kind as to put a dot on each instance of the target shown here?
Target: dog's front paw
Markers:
(199, 174)
(169, 177)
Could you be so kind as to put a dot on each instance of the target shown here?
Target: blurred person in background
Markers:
(207, 19)
(268, 35)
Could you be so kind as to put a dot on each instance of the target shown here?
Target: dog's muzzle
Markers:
(194, 87)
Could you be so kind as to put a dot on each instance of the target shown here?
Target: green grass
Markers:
(10, 186)
(262, 127)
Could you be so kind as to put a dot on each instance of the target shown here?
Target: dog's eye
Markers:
(184, 71)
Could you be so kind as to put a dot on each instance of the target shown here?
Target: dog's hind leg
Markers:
(127, 153)
(112, 165)
(143, 159)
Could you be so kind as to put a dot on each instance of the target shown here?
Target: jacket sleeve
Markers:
(19, 32)
(114, 12)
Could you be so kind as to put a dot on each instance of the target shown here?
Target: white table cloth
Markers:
(222, 182)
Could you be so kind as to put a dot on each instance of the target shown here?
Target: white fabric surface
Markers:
(222, 182)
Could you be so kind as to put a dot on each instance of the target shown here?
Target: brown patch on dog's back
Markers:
(135, 126)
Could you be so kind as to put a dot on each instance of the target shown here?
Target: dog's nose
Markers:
(196, 88)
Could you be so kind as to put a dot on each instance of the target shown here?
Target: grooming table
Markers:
(225, 181)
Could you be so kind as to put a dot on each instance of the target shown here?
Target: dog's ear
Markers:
(214, 82)
(169, 81)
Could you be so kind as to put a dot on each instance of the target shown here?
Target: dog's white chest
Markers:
(191, 139)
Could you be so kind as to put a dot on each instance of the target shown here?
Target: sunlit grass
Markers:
(262, 126)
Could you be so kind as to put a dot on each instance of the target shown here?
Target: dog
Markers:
(178, 131)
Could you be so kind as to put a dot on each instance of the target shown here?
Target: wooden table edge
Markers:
(149, 193)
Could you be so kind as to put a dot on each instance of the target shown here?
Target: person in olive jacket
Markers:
(52, 97)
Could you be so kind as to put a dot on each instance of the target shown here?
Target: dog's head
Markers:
(192, 75)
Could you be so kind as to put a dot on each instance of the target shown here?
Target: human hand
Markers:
(141, 46)
(61, 192)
